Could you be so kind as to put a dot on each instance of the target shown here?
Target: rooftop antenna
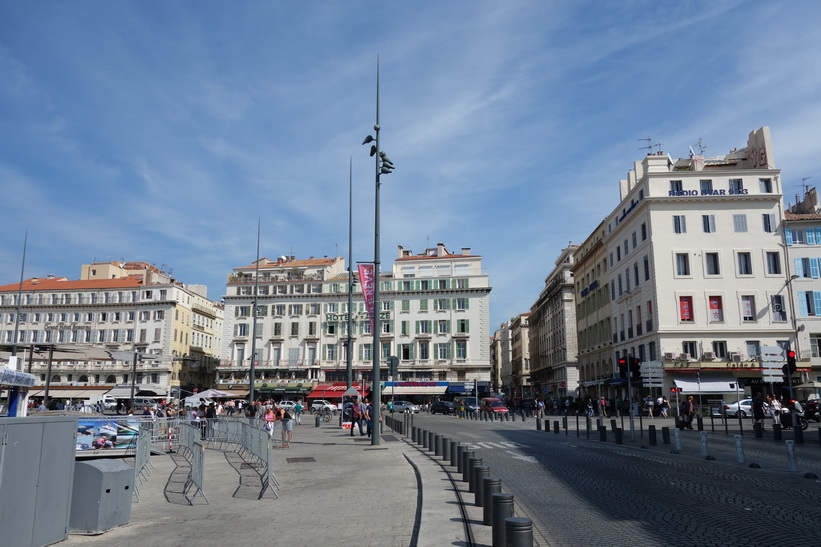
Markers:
(804, 184)
(649, 145)
(658, 145)
(701, 147)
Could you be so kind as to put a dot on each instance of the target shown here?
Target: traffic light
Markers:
(790, 368)
(623, 367)
(635, 368)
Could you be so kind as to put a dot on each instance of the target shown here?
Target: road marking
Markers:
(522, 457)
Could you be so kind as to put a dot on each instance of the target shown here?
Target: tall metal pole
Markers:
(254, 324)
(348, 346)
(20, 300)
(376, 390)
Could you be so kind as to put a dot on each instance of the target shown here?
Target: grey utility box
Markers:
(101, 497)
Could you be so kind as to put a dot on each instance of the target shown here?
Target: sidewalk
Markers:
(334, 489)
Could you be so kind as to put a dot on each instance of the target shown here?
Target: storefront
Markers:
(416, 392)
(283, 390)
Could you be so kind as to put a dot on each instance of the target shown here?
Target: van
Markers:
(492, 404)
(142, 402)
(109, 402)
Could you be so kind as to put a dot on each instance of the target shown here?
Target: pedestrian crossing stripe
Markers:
(491, 445)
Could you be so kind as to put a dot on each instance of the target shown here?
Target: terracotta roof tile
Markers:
(65, 284)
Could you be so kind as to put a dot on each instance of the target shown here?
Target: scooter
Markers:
(787, 418)
(811, 410)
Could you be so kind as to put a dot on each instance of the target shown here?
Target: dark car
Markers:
(442, 407)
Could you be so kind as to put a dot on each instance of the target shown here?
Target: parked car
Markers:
(142, 402)
(442, 407)
(287, 405)
(405, 406)
(492, 404)
(744, 408)
(322, 404)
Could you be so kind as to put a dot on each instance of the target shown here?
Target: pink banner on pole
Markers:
(366, 280)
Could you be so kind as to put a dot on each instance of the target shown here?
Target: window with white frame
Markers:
(745, 263)
(773, 262)
(769, 222)
(709, 223)
(679, 224)
(682, 264)
(740, 223)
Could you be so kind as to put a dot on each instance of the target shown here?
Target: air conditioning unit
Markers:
(708, 355)
(669, 356)
(683, 356)
(736, 357)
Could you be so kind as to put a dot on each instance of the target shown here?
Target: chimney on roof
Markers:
(440, 249)
(465, 250)
(50, 276)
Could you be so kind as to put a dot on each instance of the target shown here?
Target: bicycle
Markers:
(324, 413)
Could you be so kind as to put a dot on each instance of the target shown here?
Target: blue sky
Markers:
(162, 131)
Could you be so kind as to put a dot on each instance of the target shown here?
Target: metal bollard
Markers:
(460, 453)
(431, 439)
(318, 420)
(473, 463)
(466, 456)
(502, 509)
(490, 486)
(677, 435)
(618, 435)
(700, 423)
(556, 427)
(665, 435)
(791, 463)
(479, 474)
(446, 448)
(704, 451)
(518, 532)
(613, 426)
(798, 433)
(651, 434)
(424, 439)
(413, 434)
(538, 424)
(777, 432)
(759, 430)
(452, 451)
(456, 456)
(739, 448)
(437, 445)
(603, 434)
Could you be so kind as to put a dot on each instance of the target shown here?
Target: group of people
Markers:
(360, 413)
(273, 413)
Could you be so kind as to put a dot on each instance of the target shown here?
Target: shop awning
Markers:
(706, 383)
(400, 389)
(57, 393)
(334, 391)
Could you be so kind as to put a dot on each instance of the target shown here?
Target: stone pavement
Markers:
(334, 489)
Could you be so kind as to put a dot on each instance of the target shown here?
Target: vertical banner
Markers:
(716, 309)
(366, 280)
(686, 308)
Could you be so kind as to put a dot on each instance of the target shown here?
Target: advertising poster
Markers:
(107, 434)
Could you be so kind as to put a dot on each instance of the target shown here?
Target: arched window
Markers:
(56, 378)
(110, 379)
(83, 378)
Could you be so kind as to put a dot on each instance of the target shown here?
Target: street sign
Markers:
(772, 354)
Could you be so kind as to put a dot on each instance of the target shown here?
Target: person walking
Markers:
(603, 407)
(758, 409)
(298, 408)
(368, 417)
(688, 411)
(287, 427)
(665, 407)
(269, 419)
(357, 415)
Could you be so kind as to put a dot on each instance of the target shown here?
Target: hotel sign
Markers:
(67, 326)
(721, 192)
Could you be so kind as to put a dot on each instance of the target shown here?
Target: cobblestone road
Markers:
(585, 492)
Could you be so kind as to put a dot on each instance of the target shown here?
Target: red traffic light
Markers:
(790, 354)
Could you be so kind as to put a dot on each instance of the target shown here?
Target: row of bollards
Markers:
(497, 507)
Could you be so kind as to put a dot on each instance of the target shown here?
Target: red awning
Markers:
(333, 391)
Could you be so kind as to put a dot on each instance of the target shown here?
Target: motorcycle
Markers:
(812, 411)
(787, 417)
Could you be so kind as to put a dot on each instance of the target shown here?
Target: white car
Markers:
(322, 404)
(287, 405)
(732, 409)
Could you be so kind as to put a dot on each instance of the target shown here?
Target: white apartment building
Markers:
(94, 325)
(697, 270)
(553, 335)
(802, 234)
(434, 318)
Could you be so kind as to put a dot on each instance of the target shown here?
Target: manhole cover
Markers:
(300, 460)
(390, 438)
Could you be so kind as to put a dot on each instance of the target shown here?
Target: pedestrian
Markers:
(758, 409)
(603, 407)
(774, 407)
(688, 411)
(648, 404)
(268, 421)
(203, 422)
(589, 407)
(298, 408)
(461, 409)
(357, 415)
(287, 427)
(665, 407)
(368, 417)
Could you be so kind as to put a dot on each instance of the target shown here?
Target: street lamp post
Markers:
(383, 167)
